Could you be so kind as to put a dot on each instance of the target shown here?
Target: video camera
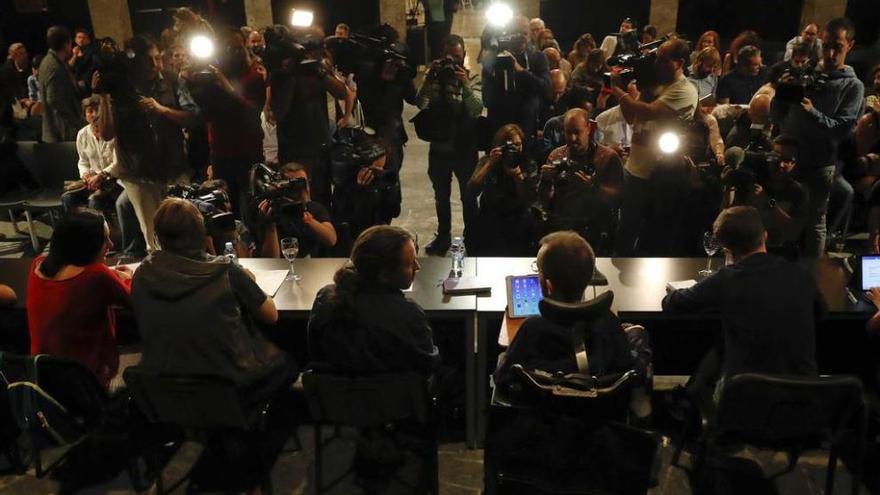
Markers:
(286, 55)
(285, 195)
(353, 150)
(566, 168)
(637, 66)
(115, 76)
(805, 80)
(212, 206)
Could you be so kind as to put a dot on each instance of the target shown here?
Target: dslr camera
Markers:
(566, 168)
(511, 156)
(285, 195)
(115, 72)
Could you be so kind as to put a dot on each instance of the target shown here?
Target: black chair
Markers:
(556, 438)
(369, 402)
(789, 414)
(210, 409)
(14, 202)
(50, 164)
(58, 403)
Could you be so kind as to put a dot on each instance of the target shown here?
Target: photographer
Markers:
(580, 185)
(452, 104)
(675, 100)
(144, 109)
(764, 181)
(212, 200)
(365, 193)
(298, 102)
(505, 182)
(824, 116)
(231, 96)
(516, 79)
(295, 216)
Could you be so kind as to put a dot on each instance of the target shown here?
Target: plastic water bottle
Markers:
(229, 252)
(456, 251)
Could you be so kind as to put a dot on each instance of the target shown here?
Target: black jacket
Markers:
(768, 309)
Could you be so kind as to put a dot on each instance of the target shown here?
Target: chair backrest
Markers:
(366, 401)
(200, 402)
(776, 411)
(50, 163)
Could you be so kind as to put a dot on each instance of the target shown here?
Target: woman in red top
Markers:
(71, 292)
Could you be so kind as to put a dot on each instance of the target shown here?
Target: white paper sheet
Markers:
(680, 284)
(270, 280)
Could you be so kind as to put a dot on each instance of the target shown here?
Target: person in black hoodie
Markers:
(196, 313)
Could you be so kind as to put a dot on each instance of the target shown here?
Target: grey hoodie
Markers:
(836, 109)
(193, 317)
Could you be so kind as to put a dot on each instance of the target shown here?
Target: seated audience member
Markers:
(363, 323)
(708, 39)
(96, 158)
(554, 130)
(809, 38)
(582, 198)
(7, 295)
(648, 34)
(194, 311)
(745, 38)
(565, 268)
(739, 85)
(589, 74)
(704, 72)
(613, 129)
(872, 90)
(582, 47)
(310, 223)
(505, 183)
(71, 294)
(555, 61)
(768, 306)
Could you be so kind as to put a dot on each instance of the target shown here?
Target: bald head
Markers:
(557, 83)
(578, 130)
(553, 57)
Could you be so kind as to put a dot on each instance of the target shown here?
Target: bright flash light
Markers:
(201, 47)
(301, 18)
(499, 14)
(669, 142)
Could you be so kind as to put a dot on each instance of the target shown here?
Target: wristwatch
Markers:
(771, 203)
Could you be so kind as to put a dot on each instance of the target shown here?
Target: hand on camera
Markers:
(759, 190)
(617, 81)
(462, 75)
(807, 105)
(151, 105)
(586, 179)
(365, 176)
(495, 154)
(309, 220)
(547, 171)
(264, 209)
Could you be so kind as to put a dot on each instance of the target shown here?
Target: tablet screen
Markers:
(870, 272)
(523, 293)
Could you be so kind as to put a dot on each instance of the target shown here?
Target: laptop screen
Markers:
(870, 272)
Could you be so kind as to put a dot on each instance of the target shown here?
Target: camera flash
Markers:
(499, 14)
(201, 47)
(669, 142)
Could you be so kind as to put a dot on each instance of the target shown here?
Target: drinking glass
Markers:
(290, 249)
(710, 245)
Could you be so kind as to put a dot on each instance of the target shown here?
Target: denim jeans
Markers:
(818, 182)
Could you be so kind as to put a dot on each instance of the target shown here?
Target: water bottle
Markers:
(229, 252)
(456, 251)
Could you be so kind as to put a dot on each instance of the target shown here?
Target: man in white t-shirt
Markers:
(96, 157)
(675, 101)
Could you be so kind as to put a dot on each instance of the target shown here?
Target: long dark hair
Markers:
(376, 251)
(76, 240)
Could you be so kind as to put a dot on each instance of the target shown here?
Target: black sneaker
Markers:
(438, 245)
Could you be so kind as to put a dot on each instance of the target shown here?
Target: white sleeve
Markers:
(111, 166)
(681, 98)
(82, 163)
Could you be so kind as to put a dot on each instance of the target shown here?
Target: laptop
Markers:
(866, 276)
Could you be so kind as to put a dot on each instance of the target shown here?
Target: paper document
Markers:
(270, 280)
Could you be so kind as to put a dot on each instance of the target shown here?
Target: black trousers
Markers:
(235, 171)
(443, 162)
(634, 209)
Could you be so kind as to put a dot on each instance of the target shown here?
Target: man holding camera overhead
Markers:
(672, 100)
(581, 182)
(826, 113)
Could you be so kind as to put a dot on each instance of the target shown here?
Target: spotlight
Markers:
(499, 14)
(669, 142)
(301, 18)
(201, 47)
